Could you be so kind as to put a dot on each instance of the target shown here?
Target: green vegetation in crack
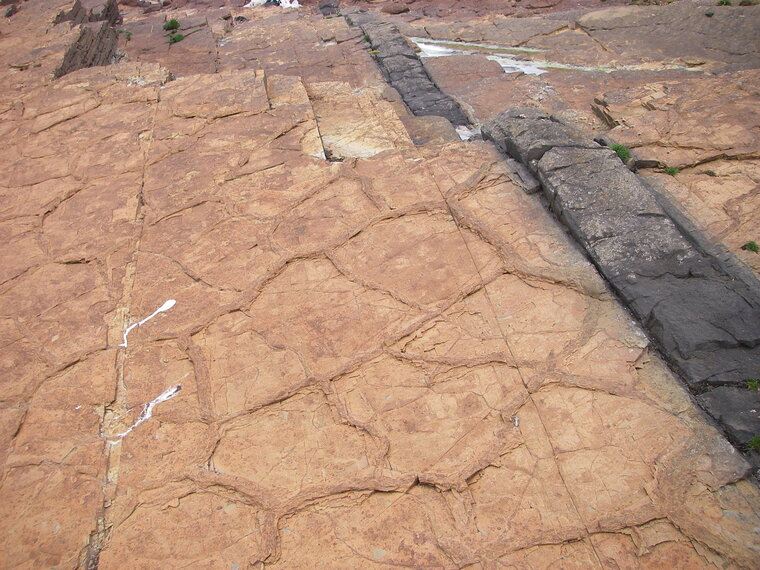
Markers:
(753, 385)
(709, 172)
(623, 152)
(172, 24)
(670, 170)
(751, 246)
(174, 38)
(754, 443)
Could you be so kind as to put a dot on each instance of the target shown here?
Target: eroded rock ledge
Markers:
(705, 320)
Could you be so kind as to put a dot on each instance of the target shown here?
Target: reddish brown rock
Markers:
(396, 358)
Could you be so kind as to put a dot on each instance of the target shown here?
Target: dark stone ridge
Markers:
(705, 319)
(404, 71)
(527, 134)
(737, 409)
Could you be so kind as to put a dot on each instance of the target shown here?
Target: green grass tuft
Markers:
(753, 385)
(751, 246)
(724, 3)
(172, 24)
(754, 443)
(671, 170)
(623, 152)
(174, 38)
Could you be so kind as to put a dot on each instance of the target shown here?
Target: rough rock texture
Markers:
(96, 45)
(687, 122)
(672, 84)
(729, 34)
(738, 408)
(707, 128)
(329, 7)
(396, 359)
(706, 321)
(700, 118)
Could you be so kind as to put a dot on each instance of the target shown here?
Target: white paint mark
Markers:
(147, 412)
(165, 307)
(516, 421)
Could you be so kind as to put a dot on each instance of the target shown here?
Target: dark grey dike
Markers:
(705, 320)
(735, 407)
(404, 71)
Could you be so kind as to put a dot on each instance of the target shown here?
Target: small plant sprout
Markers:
(751, 246)
(754, 443)
(724, 3)
(365, 38)
(709, 172)
(172, 24)
(670, 170)
(622, 151)
(174, 38)
(753, 385)
(126, 33)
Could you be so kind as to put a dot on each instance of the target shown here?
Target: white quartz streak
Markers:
(165, 307)
(147, 412)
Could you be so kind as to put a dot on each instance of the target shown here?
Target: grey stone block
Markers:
(527, 133)
(737, 409)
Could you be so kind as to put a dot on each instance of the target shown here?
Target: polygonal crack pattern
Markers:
(395, 360)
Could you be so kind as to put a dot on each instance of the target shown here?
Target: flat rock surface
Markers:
(394, 357)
